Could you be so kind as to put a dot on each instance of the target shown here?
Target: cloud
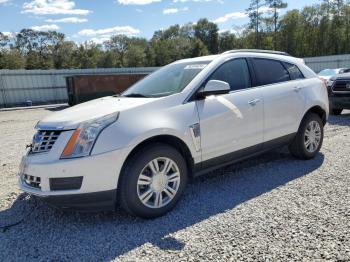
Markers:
(10, 35)
(234, 15)
(99, 40)
(237, 30)
(117, 30)
(45, 27)
(137, 2)
(52, 7)
(73, 20)
(232, 31)
(266, 9)
(226, 17)
(222, 31)
(170, 11)
(3, 1)
(174, 10)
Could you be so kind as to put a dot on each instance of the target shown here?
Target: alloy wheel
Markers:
(312, 137)
(158, 182)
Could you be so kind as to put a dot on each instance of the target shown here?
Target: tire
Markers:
(300, 148)
(133, 187)
(336, 111)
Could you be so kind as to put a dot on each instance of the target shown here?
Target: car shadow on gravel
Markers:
(49, 234)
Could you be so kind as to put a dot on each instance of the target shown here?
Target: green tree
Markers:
(150, 56)
(256, 16)
(4, 40)
(275, 6)
(227, 41)
(87, 55)
(38, 46)
(169, 50)
(118, 44)
(107, 59)
(318, 29)
(173, 43)
(62, 54)
(198, 48)
(32, 61)
(290, 32)
(208, 33)
(346, 22)
(12, 59)
(135, 56)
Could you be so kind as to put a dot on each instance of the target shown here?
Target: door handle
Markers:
(254, 101)
(298, 88)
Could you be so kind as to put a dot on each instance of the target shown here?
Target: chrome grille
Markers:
(43, 141)
(32, 181)
(341, 85)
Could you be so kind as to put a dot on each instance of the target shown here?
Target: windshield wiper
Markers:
(134, 95)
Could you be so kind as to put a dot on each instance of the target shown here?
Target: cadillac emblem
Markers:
(348, 85)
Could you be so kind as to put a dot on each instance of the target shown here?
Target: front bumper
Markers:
(100, 174)
(90, 202)
(340, 101)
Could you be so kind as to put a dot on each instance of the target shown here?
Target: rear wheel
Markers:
(308, 141)
(336, 112)
(153, 181)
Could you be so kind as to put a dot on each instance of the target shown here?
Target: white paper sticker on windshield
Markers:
(195, 66)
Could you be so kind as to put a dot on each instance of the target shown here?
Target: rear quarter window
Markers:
(294, 71)
(270, 71)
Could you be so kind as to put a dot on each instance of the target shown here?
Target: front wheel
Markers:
(308, 141)
(153, 181)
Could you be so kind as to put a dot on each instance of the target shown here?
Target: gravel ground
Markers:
(273, 207)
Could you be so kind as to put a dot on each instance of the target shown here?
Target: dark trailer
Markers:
(82, 88)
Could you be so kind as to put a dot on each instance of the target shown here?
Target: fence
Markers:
(334, 61)
(17, 87)
(49, 86)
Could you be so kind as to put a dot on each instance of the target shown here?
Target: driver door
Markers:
(231, 124)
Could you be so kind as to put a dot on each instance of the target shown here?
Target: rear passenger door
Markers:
(283, 100)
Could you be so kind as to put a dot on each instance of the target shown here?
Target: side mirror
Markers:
(214, 87)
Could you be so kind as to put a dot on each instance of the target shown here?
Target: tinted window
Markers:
(235, 73)
(168, 80)
(294, 71)
(270, 71)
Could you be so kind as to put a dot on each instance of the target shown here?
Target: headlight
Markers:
(330, 82)
(84, 137)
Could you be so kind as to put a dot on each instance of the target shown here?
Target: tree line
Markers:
(316, 30)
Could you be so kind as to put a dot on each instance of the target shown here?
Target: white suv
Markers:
(140, 148)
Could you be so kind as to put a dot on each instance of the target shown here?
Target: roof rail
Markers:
(257, 51)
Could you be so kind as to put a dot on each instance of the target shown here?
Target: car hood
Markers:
(71, 117)
(341, 76)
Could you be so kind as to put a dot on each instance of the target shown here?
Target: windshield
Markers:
(328, 72)
(168, 80)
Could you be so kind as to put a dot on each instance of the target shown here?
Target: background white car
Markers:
(140, 148)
